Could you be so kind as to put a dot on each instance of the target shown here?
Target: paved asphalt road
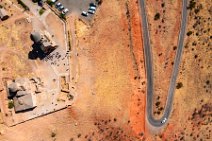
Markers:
(149, 71)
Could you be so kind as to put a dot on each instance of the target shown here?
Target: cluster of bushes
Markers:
(23, 5)
(62, 16)
(191, 5)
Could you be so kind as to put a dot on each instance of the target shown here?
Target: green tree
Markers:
(189, 33)
(179, 85)
(157, 16)
(10, 104)
(41, 11)
(49, 2)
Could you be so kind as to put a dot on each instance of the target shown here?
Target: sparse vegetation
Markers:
(70, 97)
(189, 33)
(157, 16)
(79, 135)
(110, 131)
(41, 11)
(163, 4)
(69, 41)
(53, 134)
(196, 11)
(62, 16)
(179, 85)
(10, 104)
(192, 4)
(208, 82)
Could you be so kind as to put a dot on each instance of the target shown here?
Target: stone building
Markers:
(20, 91)
(44, 41)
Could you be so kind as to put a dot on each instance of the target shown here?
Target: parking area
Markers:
(77, 6)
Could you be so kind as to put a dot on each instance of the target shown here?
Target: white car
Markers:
(53, 1)
(92, 8)
(84, 13)
(65, 11)
(61, 7)
(164, 120)
(58, 4)
(91, 11)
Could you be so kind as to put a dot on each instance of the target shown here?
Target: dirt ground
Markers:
(164, 37)
(109, 84)
(111, 79)
(56, 27)
(191, 117)
(14, 45)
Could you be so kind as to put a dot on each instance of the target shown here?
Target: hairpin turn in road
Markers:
(149, 71)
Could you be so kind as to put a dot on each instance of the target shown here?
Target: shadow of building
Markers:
(43, 45)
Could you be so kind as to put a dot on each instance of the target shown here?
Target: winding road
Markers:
(149, 70)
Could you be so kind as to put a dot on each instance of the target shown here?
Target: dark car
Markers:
(40, 3)
(93, 4)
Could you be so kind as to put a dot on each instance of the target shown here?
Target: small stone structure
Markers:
(22, 91)
(3, 14)
(29, 98)
(44, 41)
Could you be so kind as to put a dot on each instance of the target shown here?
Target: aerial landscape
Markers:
(105, 70)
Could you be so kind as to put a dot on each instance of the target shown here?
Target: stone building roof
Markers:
(36, 37)
(13, 87)
(21, 93)
(25, 102)
(20, 90)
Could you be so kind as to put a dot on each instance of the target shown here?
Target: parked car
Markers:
(40, 3)
(58, 4)
(53, 1)
(65, 11)
(84, 13)
(61, 7)
(93, 4)
(91, 11)
(92, 8)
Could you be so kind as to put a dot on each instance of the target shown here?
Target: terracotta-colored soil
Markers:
(110, 103)
(109, 77)
(164, 38)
